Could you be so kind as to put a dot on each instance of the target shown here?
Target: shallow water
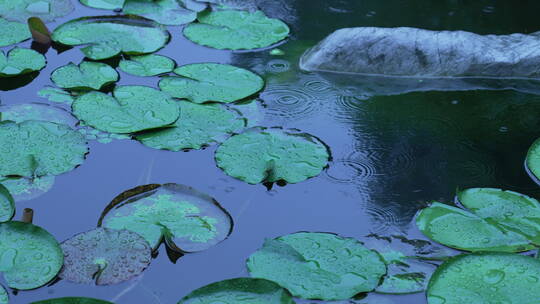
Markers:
(391, 154)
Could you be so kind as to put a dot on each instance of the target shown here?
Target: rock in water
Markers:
(422, 53)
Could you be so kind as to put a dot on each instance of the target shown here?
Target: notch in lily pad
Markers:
(72, 300)
(185, 219)
(85, 76)
(19, 61)
(166, 12)
(147, 65)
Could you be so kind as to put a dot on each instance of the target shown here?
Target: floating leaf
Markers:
(46, 10)
(532, 162)
(194, 5)
(36, 111)
(187, 220)
(203, 82)
(104, 4)
(197, 127)
(318, 265)
(238, 291)
(38, 29)
(13, 32)
(132, 109)
(87, 75)
(486, 278)
(147, 65)
(56, 95)
(4, 297)
(7, 206)
(167, 12)
(31, 257)
(108, 36)
(463, 230)
(104, 256)
(236, 30)
(72, 300)
(25, 189)
(20, 61)
(270, 155)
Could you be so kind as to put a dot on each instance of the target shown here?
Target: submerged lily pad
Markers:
(197, 127)
(25, 189)
(271, 155)
(72, 300)
(239, 291)
(56, 95)
(236, 30)
(203, 82)
(108, 36)
(38, 148)
(4, 297)
(167, 12)
(7, 205)
(486, 278)
(318, 265)
(13, 32)
(104, 4)
(147, 65)
(20, 61)
(104, 256)
(187, 220)
(132, 109)
(31, 257)
(532, 162)
(46, 10)
(87, 75)
(36, 111)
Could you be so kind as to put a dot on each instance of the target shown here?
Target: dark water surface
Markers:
(391, 154)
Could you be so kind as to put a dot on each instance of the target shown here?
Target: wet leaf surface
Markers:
(20, 61)
(56, 95)
(30, 256)
(532, 162)
(7, 204)
(147, 65)
(4, 297)
(104, 4)
(46, 10)
(87, 75)
(167, 12)
(13, 32)
(104, 256)
(36, 111)
(72, 300)
(25, 189)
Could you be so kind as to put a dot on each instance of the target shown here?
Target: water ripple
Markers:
(290, 102)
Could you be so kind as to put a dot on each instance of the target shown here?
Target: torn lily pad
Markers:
(198, 126)
(104, 256)
(108, 36)
(104, 4)
(85, 76)
(320, 266)
(532, 162)
(486, 278)
(25, 189)
(7, 205)
(147, 65)
(132, 109)
(236, 30)
(20, 61)
(185, 219)
(261, 155)
(46, 10)
(72, 300)
(31, 256)
(239, 291)
(4, 297)
(204, 82)
(36, 111)
(166, 12)
(56, 95)
(13, 32)
(38, 148)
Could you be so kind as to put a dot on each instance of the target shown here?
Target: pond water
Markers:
(390, 154)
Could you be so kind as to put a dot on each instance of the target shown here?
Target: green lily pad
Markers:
(270, 155)
(187, 220)
(36, 111)
(239, 291)
(38, 148)
(7, 205)
(85, 76)
(31, 256)
(104, 256)
(4, 297)
(198, 127)
(486, 278)
(56, 95)
(463, 230)
(25, 189)
(13, 32)
(46, 10)
(532, 162)
(72, 300)
(104, 4)
(194, 5)
(167, 12)
(203, 82)
(147, 65)
(318, 265)
(236, 30)
(20, 61)
(108, 36)
(132, 109)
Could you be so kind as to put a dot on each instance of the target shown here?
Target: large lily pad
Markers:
(85, 76)
(203, 82)
(104, 256)
(13, 32)
(318, 265)
(147, 65)
(187, 220)
(7, 205)
(46, 10)
(31, 257)
(38, 148)
(108, 36)
(25, 189)
(20, 61)
(132, 109)
(104, 4)
(270, 155)
(167, 12)
(532, 162)
(4, 297)
(239, 291)
(486, 278)
(36, 111)
(197, 127)
(72, 300)
(236, 30)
